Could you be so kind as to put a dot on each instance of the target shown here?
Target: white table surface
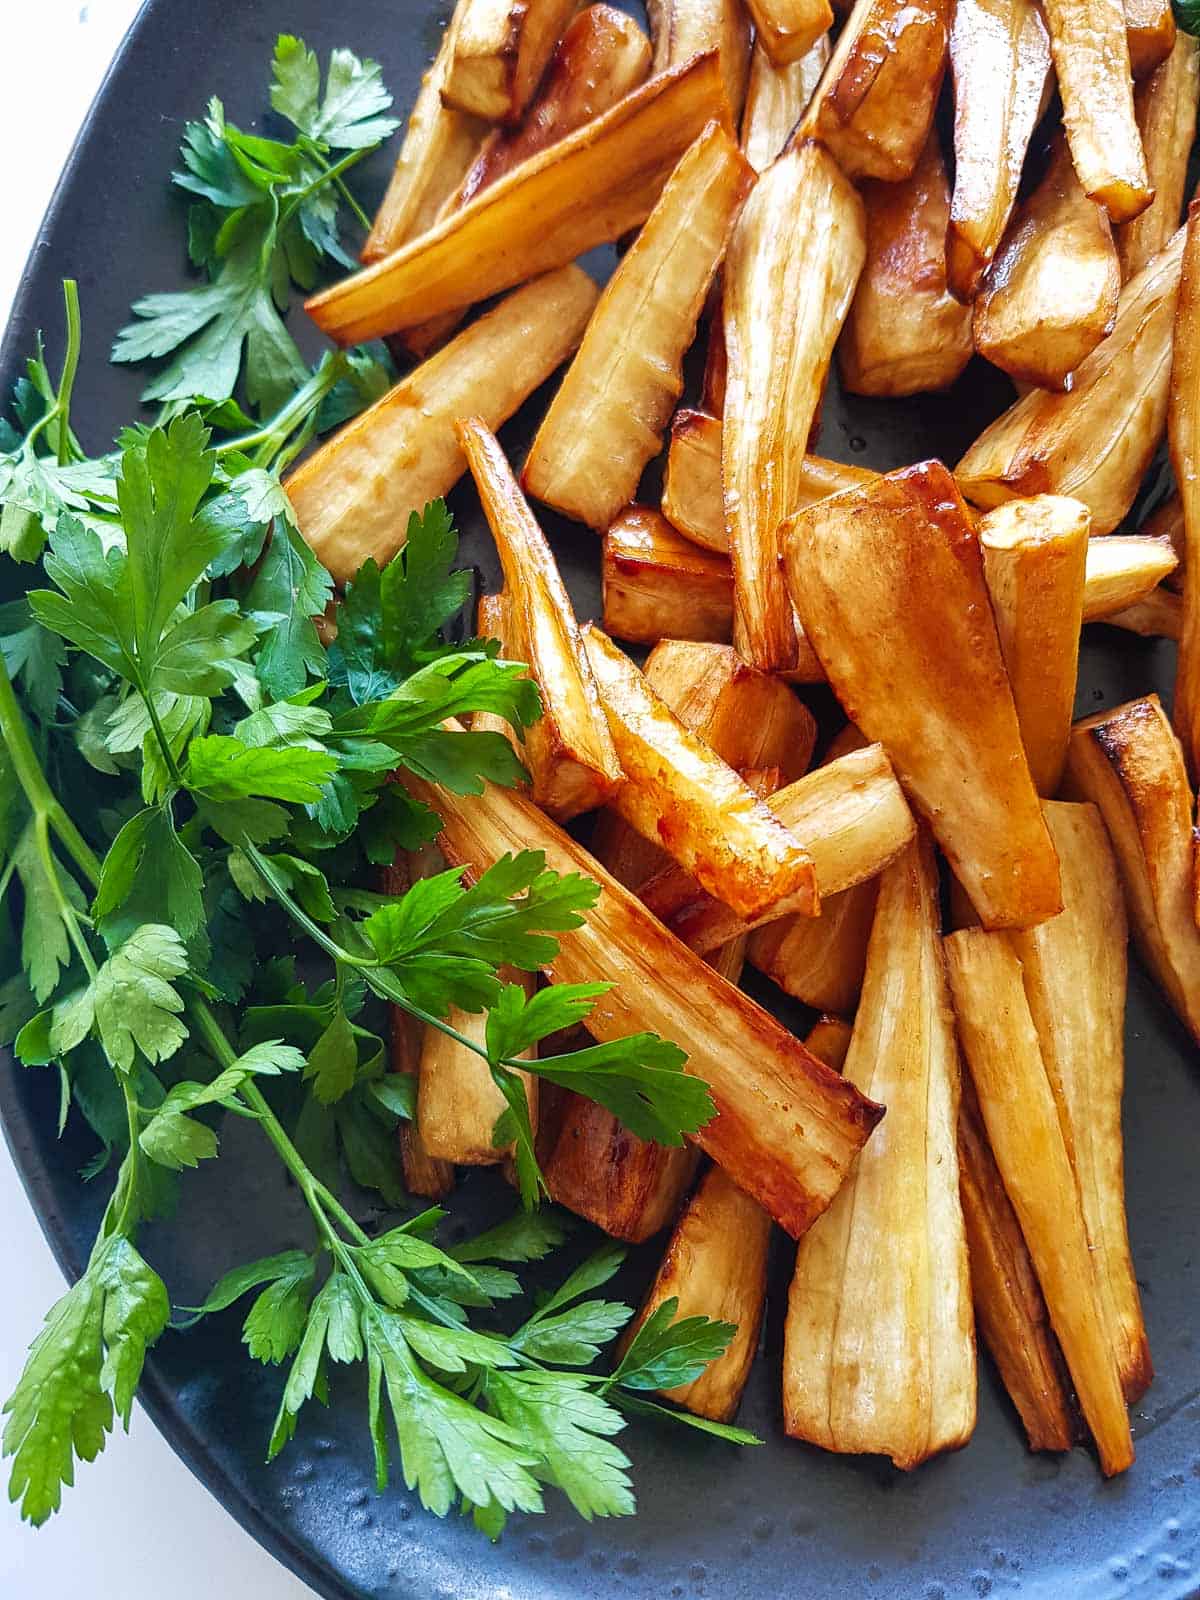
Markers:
(137, 1525)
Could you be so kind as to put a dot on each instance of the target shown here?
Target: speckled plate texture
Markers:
(783, 1522)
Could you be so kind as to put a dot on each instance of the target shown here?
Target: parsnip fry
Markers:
(1167, 523)
(1035, 563)
(829, 1040)
(776, 99)
(1123, 569)
(500, 52)
(819, 960)
(569, 752)
(659, 584)
(693, 499)
(1001, 1047)
(788, 29)
(879, 1349)
(1129, 764)
(1165, 105)
(681, 29)
(1183, 435)
(1096, 442)
(607, 418)
(353, 496)
(906, 333)
(1150, 33)
(493, 620)
(1051, 295)
(889, 584)
(458, 1103)
(1158, 616)
(587, 189)
(599, 1170)
(788, 285)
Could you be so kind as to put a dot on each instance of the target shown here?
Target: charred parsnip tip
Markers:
(1096, 442)
(787, 1129)
(1165, 105)
(1091, 58)
(889, 584)
(587, 189)
(1158, 616)
(1183, 436)
(787, 29)
(658, 583)
(352, 497)
(681, 29)
(1002, 1050)
(776, 99)
(1150, 33)
(874, 105)
(569, 752)
(1122, 569)
(1129, 763)
(906, 333)
(787, 290)
(829, 1040)
(606, 421)
(1074, 969)
(879, 1348)
(458, 1103)
(1010, 1309)
(599, 1170)
(500, 51)
(1052, 291)
(1035, 563)
(851, 816)
(1000, 61)
(680, 794)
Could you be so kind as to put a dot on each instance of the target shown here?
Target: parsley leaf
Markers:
(348, 117)
(664, 1353)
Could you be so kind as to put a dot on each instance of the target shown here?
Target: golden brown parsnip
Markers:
(606, 421)
(1096, 442)
(599, 1170)
(1167, 523)
(569, 752)
(1165, 104)
(1035, 564)
(787, 290)
(1158, 616)
(1074, 968)
(681, 29)
(788, 29)
(458, 1102)
(905, 332)
(1123, 568)
(1183, 437)
(764, 1083)
(1129, 763)
(879, 1348)
(1091, 58)
(819, 960)
(1000, 1044)
(712, 384)
(874, 105)
(353, 496)
(1051, 294)
(591, 187)
(1000, 62)
(692, 498)
(1150, 33)
(829, 1040)
(888, 580)
(493, 620)
(500, 52)
(657, 584)
(776, 99)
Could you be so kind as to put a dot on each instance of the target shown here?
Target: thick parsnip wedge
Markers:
(829, 1040)
(776, 99)
(569, 752)
(1074, 969)
(679, 793)
(906, 333)
(1158, 616)
(1091, 59)
(606, 421)
(1150, 33)
(500, 52)
(874, 105)
(888, 581)
(1035, 563)
(657, 584)
(1001, 1047)
(787, 1129)
(458, 1103)
(599, 1170)
(1183, 437)
(788, 29)
(879, 1346)
(353, 496)
(589, 188)
(693, 497)
(682, 29)
(1123, 568)
(792, 266)
(1000, 62)
(1128, 763)
(851, 816)
(1165, 105)
(819, 961)
(1010, 1309)
(1096, 442)
(1052, 291)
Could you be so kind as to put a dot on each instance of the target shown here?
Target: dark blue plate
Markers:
(779, 1521)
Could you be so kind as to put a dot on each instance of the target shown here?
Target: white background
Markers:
(137, 1526)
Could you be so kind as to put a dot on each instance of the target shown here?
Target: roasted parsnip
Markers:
(599, 1170)
(889, 584)
(589, 188)
(905, 332)
(500, 52)
(1000, 62)
(352, 497)
(1123, 569)
(819, 960)
(1096, 442)
(1150, 32)
(681, 29)
(829, 1040)
(458, 1103)
(793, 261)
(1183, 436)
(1129, 763)
(1165, 105)
(788, 29)
(1158, 616)
(1167, 523)
(765, 1084)
(572, 763)
(1001, 1047)
(493, 621)
(1052, 291)
(776, 99)
(607, 418)
(1035, 563)
(692, 498)
(879, 1348)
(658, 584)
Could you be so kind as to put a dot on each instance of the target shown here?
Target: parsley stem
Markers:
(70, 366)
(327, 174)
(275, 431)
(164, 743)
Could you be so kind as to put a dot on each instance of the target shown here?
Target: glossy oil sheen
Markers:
(781, 1521)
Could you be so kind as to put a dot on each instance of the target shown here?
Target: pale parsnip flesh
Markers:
(681, 29)
(458, 1102)
(776, 99)
(1165, 105)
(500, 52)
